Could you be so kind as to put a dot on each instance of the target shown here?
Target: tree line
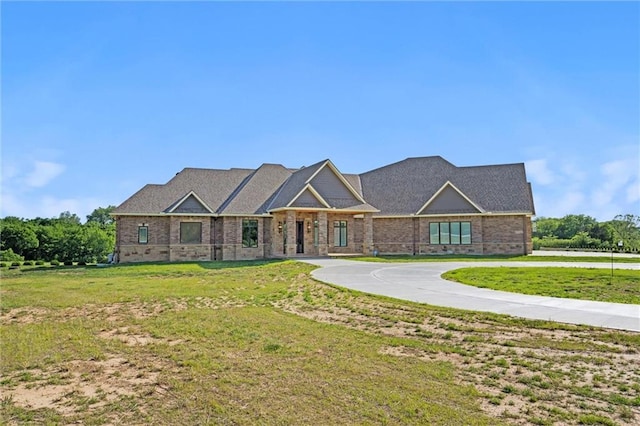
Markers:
(582, 231)
(62, 239)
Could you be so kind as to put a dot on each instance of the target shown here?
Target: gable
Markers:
(333, 189)
(307, 199)
(191, 204)
(448, 200)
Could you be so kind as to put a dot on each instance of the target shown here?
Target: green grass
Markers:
(237, 360)
(263, 343)
(478, 258)
(573, 283)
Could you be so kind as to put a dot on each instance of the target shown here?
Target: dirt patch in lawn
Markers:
(525, 374)
(79, 386)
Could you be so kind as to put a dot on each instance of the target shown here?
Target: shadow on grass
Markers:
(212, 265)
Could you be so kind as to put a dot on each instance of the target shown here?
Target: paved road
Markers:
(421, 282)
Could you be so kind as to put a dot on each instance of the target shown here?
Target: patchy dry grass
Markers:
(264, 343)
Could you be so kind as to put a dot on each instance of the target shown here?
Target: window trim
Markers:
(439, 238)
(146, 234)
(247, 226)
(182, 241)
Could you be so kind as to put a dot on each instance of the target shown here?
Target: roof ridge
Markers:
(236, 191)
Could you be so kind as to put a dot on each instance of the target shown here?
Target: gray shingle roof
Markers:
(256, 190)
(400, 188)
(404, 187)
(293, 186)
(212, 186)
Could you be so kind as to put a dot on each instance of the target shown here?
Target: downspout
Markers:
(415, 231)
(524, 235)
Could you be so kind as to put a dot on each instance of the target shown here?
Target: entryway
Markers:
(299, 236)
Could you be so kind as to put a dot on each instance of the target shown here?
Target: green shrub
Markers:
(55, 262)
(39, 262)
(27, 263)
(9, 256)
(4, 264)
(15, 263)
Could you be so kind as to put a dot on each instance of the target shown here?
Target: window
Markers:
(444, 233)
(340, 233)
(450, 233)
(434, 233)
(143, 234)
(249, 233)
(316, 233)
(190, 232)
(454, 232)
(465, 229)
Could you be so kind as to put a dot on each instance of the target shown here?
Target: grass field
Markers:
(586, 284)
(263, 343)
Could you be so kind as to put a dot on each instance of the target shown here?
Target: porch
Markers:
(313, 233)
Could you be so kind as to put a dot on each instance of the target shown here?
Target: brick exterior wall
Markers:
(477, 237)
(157, 247)
(222, 237)
(507, 235)
(489, 235)
(394, 236)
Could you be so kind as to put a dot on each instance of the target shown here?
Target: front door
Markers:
(300, 236)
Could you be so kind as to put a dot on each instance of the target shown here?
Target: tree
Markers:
(17, 236)
(602, 232)
(626, 228)
(101, 216)
(546, 227)
(572, 224)
(70, 218)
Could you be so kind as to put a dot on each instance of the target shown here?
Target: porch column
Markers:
(367, 238)
(290, 250)
(323, 249)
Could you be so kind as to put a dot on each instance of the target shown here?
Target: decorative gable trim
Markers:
(185, 198)
(313, 192)
(344, 181)
(446, 185)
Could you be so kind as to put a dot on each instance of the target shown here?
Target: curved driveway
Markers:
(421, 282)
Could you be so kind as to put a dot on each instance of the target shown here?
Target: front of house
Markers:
(416, 206)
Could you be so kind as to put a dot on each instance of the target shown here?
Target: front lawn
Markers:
(263, 343)
(502, 258)
(574, 283)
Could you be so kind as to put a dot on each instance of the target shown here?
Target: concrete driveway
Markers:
(421, 282)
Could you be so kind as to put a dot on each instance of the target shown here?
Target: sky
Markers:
(100, 98)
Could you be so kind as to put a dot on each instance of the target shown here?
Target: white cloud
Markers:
(612, 187)
(633, 192)
(539, 172)
(43, 173)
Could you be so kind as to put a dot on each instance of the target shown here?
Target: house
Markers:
(417, 206)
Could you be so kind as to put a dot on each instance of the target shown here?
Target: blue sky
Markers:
(101, 98)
